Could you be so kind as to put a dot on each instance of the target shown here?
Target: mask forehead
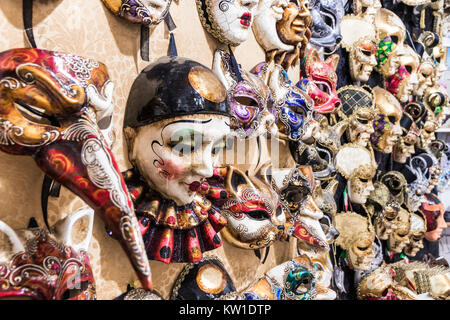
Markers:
(145, 12)
(387, 104)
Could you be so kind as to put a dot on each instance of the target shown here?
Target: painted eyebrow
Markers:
(186, 132)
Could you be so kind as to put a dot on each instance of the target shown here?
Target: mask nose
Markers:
(249, 4)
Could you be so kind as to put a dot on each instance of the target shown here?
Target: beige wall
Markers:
(87, 28)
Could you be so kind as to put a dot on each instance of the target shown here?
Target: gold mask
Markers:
(356, 236)
(366, 9)
(416, 234)
(399, 238)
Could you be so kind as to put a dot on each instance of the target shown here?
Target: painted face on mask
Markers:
(387, 122)
(228, 22)
(391, 33)
(282, 28)
(433, 211)
(39, 265)
(140, 11)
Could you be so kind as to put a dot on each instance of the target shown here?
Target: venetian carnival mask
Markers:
(249, 97)
(399, 238)
(381, 205)
(359, 38)
(436, 101)
(51, 103)
(229, 22)
(326, 16)
(356, 236)
(438, 56)
(416, 234)
(397, 185)
(176, 121)
(425, 73)
(433, 210)
(358, 109)
(357, 166)
(294, 108)
(292, 280)
(391, 34)
(140, 11)
(418, 186)
(321, 81)
(282, 28)
(366, 9)
(40, 265)
(404, 148)
(387, 122)
(405, 79)
(295, 189)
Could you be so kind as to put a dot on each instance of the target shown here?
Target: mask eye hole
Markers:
(394, 39)
(36, 115)
(408, 68)
(363, 248)
(364, 180)
(246, 101)
(391, 119)
(363, 121)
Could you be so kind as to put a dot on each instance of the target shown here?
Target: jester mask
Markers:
(50, 104)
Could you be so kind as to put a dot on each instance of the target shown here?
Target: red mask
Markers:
(49, 105)
(322, 81)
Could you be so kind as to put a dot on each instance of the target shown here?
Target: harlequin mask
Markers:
(40, 265)
(358, 109)
(359, 38)
(282, 28)
(387, 122)
(295, 189)
(391, 33)
(399, 238)
(249, 98)
(366, 9)
(49, 103)
(322, 81)
(140, 11)
(326, 16)
(356, 164)
(356, 236)
(176, 121)
(229, 22)
(403, 82)
(404, 148)
(293, 106)
(416, 234)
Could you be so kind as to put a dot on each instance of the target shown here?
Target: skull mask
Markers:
(416, 234)
(140, 11)
(358, 110)
(48, 266)
(405, 79)
(359, 39)
(326, 16)
(356, 236)
(391, 33)
(387, 123)
(399, 238)
(49, 103)
(321, 81)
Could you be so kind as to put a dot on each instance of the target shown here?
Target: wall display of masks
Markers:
(267, 150)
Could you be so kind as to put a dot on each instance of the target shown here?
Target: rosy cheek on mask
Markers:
(171, 169)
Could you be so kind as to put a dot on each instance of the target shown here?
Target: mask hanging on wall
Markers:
(404, 148)
(144, 12)
(321, 74)
(387, 122)
(41, 265)
(357, 166)
(399, 238)
(229, 22)
(359, 38)
(282, 29)
(326, 16)
(366, 9)
(416, 234)
(175, 129)
(358, 110)
(391, 33)
(356, 236)
(50, 104)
